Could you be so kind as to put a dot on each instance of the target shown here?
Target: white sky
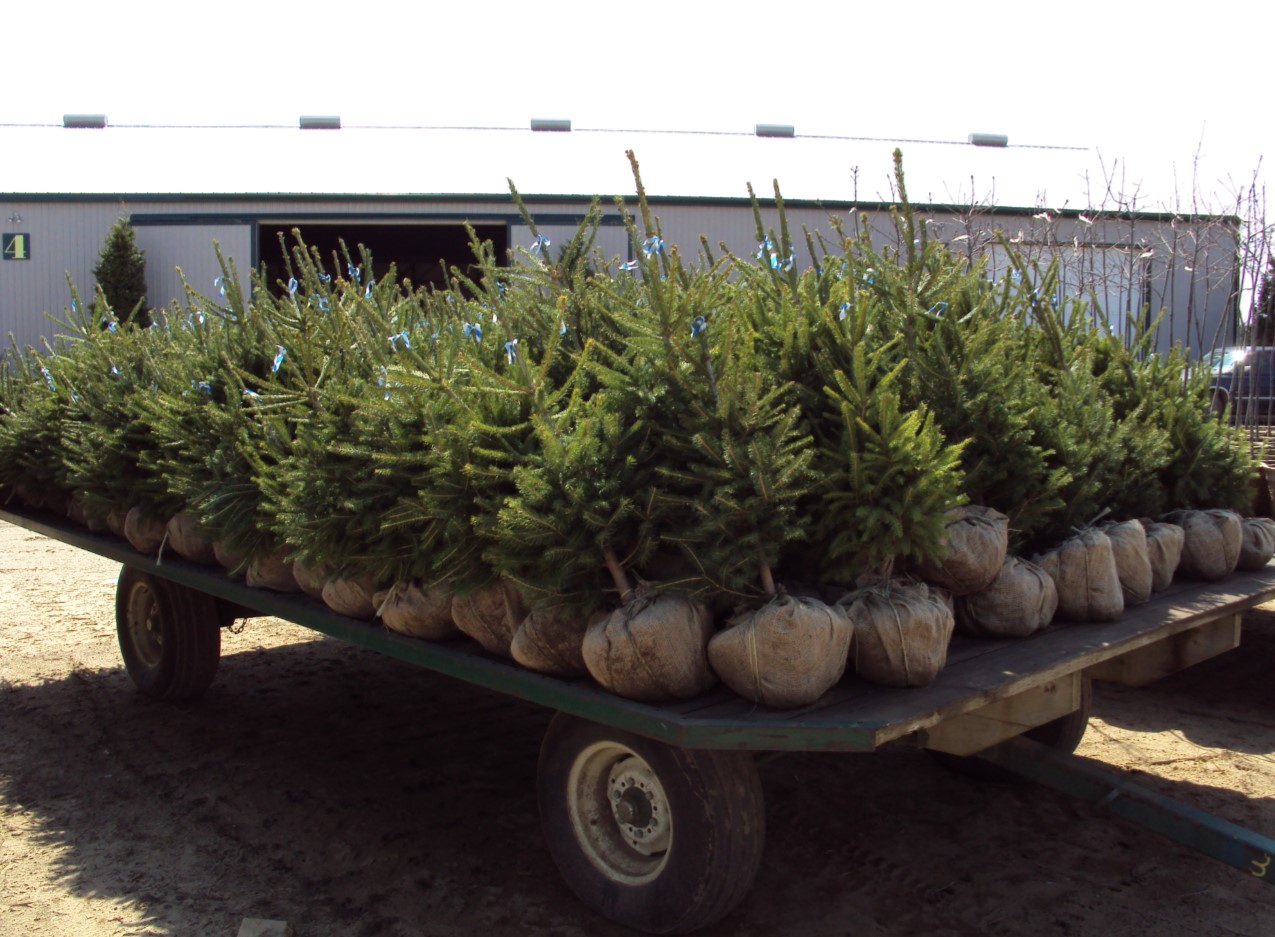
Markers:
(1147, 86)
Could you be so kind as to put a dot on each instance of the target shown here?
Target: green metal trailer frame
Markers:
(990, 693)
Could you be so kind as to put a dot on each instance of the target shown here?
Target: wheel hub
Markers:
(619, 813)
(633, 808)
(145, 626)
(638, 807)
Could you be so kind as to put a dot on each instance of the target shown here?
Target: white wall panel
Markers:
(1190, 270)
(190, 251)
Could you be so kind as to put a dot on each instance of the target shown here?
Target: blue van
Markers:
(1243, 379)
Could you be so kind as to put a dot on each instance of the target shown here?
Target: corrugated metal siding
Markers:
(190, 251)
(1191, 268)
(65, 241)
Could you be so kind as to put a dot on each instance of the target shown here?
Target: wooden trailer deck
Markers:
(989, 691)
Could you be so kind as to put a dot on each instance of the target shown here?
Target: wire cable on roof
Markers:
(849, 138)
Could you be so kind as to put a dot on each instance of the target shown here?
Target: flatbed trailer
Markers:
(653, 811)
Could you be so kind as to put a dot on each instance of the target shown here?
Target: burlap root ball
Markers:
(115, 518)
(787, 653)
(977, 540)
(311, 577)
(1164, 551)
(94, 520)
(1133, 566)
(552, 642)
(901, 632)
(232, 561)
(653, 648)
(1084, 571)
(1211, 548)
(189, 540)
(75, 511)
(490, 615)
(351, 595)
(271, 571)
(1257, 542)
(417, 612)
(143, 532)
(1020, 601)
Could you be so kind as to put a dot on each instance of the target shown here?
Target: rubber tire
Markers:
(1062, 735)
(176, 656)
(718, 823)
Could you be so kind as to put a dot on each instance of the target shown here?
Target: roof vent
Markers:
(775, 130)
(89, 121)
(312, 122)
(550, 124)
(989, 139)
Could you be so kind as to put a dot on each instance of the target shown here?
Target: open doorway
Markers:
(420, 251)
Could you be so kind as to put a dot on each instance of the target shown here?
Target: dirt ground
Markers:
(356, 796)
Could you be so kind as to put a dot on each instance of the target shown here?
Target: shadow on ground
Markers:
(1229, 700)
(356, 795)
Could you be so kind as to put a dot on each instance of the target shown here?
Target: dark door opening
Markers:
(421, 252)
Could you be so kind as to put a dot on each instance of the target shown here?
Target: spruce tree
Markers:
(121, 276)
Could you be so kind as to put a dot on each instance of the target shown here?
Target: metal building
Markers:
(407, 194)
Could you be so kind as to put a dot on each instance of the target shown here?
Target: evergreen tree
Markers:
(566, 422)
(1264, 315)
(121, 275)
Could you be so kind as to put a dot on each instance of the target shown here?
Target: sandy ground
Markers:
(354, 795)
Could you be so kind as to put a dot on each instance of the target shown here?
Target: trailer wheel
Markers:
(653, 837)
(169, 635)
(1063, 735)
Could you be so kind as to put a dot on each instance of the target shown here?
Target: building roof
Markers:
(130, 161)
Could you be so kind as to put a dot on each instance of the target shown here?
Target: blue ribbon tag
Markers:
(540, 243)
(698, 325)
(474, 331)
(219, 285)
(629, 265)
(48, 378)
(355, 272)
(280, 354)
(292, 285)
(511, 350)
(653, 245)
(841, 313)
